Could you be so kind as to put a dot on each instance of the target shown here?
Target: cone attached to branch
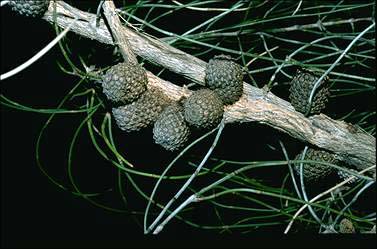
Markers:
(170, 130)
(124, 83)
(203, 109)
(314, 172)
(225, 77)
(30, 8)
(302, 85)
(142, 112)
(344, 175)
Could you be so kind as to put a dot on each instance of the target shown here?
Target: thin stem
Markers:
(290, 170)
(210, 21)
(159, 228)
(355, 197)
(38, 55)
(289, 57)
(98, 13)
(323, 194)
(297, 9)
(187, 183)
(3, 3)
(116, 27)
(206, 9)
(334, 65)
(162, 176)
(303, 186)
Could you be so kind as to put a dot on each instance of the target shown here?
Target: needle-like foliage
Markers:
(255, 189)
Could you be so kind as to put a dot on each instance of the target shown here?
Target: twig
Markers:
(184, 187)
(290, 169)
(265, 52)
(206, 23)
(290, 56)
(319, 24)
(189, 200)
(2, 3)
(98, 13)
(116, 28)
(206, 9)
(255, 105)
(269, 84)
(302, 183)
(38, 55)
(297, 9)
(323, 194)
(333, 65)
(196, 197)
(355, 197)
(162, 176)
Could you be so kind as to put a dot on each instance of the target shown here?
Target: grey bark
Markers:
(347, 142)
(120, 38)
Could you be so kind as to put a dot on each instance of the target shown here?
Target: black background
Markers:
(36, 213)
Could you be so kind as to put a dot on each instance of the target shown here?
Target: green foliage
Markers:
(269, 38)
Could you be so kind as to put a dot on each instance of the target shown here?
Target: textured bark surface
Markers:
(346, 141)
(120, 38)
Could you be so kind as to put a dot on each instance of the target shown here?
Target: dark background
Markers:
(36, 213)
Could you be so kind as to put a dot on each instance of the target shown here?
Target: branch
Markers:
(347, 142)
(120, 38)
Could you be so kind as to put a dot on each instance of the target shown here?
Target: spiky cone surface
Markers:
(344, 175)
(124, 83)
(229, 94)
(142, 112)
(346, 226)
(30, 8)
(301, 87)
(203, 109)
(314, 172)
(171, 130)
(225, 77)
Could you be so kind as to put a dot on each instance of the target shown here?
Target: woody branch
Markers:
(256, 105)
